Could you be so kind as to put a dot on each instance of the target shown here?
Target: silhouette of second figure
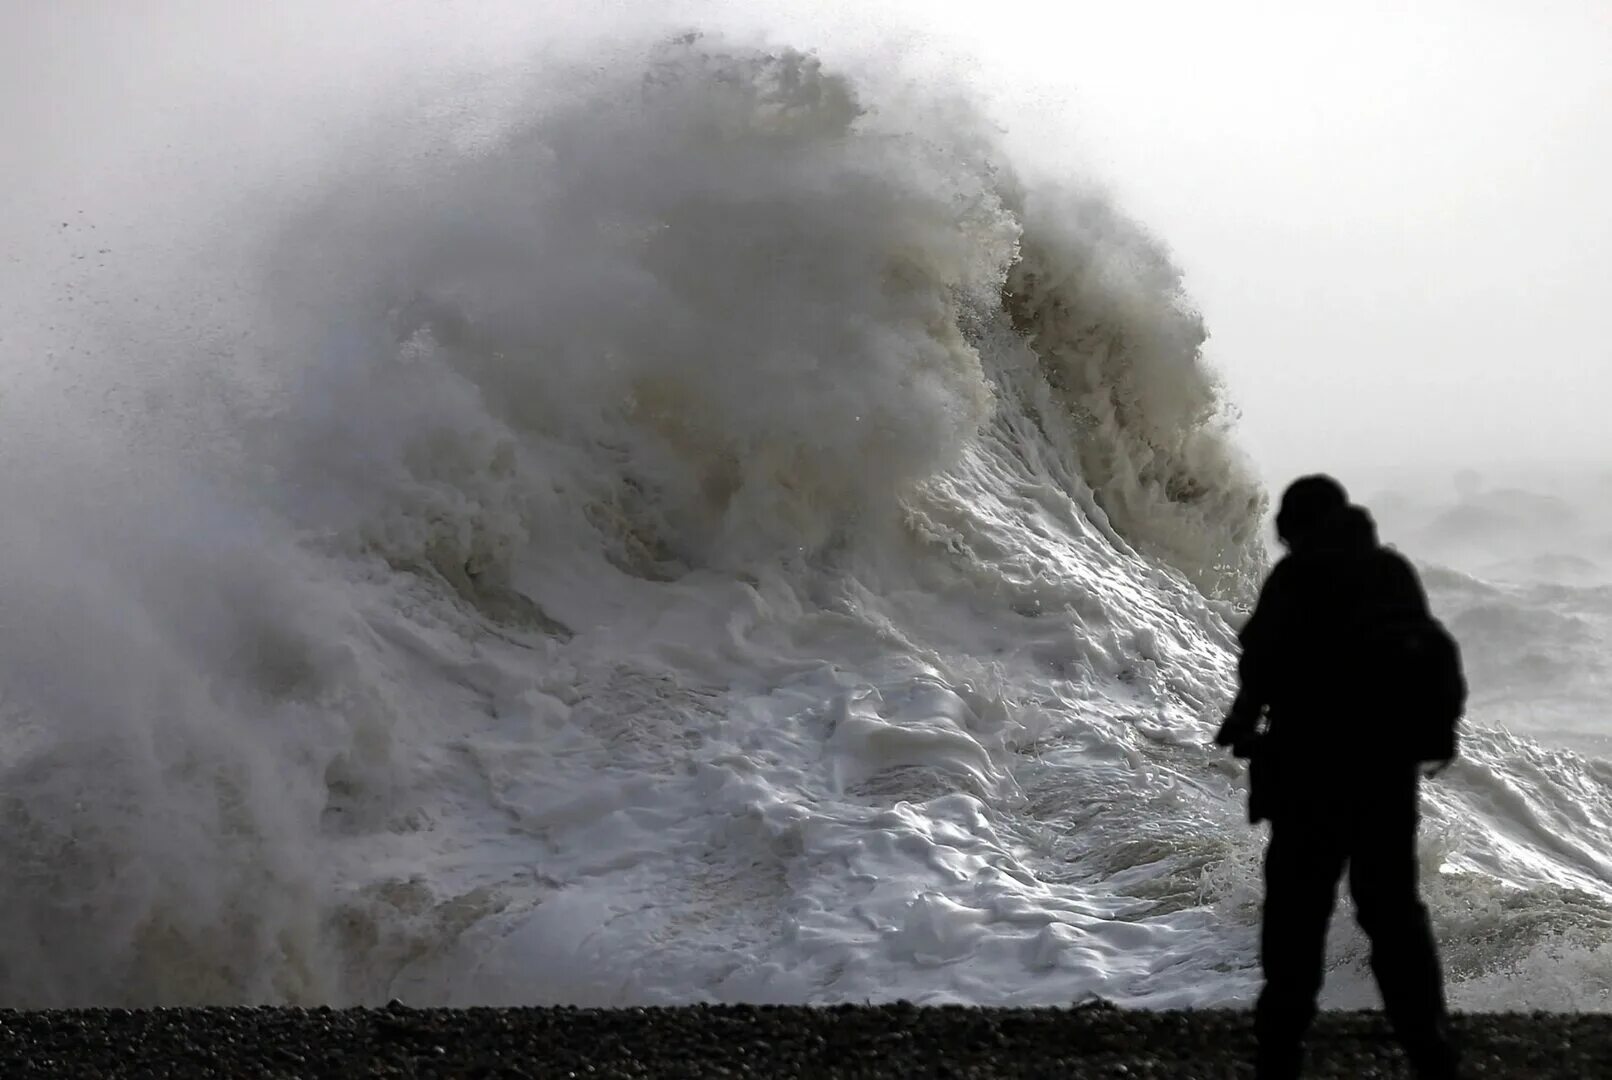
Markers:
(1327, 714)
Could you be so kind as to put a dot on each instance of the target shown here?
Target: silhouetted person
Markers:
(1321, 719)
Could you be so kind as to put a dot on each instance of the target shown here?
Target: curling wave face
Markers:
(706, 533)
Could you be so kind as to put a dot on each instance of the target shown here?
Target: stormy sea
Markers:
(706, 526)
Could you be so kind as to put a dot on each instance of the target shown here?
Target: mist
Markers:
(1393, 221)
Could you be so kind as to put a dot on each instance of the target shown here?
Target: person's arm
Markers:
(1264, 638)
(1261, 639)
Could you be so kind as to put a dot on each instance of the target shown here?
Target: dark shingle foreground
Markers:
(733, 1042)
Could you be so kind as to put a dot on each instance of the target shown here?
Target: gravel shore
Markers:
(730, 1041)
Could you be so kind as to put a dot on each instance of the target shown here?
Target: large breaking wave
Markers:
(696, 529)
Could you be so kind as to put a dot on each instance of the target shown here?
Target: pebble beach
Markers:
(896, 1040)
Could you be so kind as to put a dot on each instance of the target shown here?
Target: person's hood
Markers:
(1348, 528)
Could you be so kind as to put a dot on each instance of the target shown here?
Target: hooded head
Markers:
(1306, 505)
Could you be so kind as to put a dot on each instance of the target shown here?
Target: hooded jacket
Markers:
(1304, 663)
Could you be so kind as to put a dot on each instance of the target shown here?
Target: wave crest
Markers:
(1102, 306)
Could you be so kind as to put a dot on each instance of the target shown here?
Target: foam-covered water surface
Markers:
(691, 528)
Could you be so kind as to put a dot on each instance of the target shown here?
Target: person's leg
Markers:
(1404, 958)
(1302, 867)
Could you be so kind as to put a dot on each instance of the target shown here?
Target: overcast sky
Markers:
(1395, 217)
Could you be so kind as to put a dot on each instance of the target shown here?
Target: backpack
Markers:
(1414, 665)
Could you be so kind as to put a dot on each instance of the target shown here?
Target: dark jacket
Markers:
(1309, 694)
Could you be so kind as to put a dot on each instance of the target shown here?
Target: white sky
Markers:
(1394, 216)
(1397, 218)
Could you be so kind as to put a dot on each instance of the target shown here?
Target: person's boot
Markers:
(1278, 1059)
(1433, 1057)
